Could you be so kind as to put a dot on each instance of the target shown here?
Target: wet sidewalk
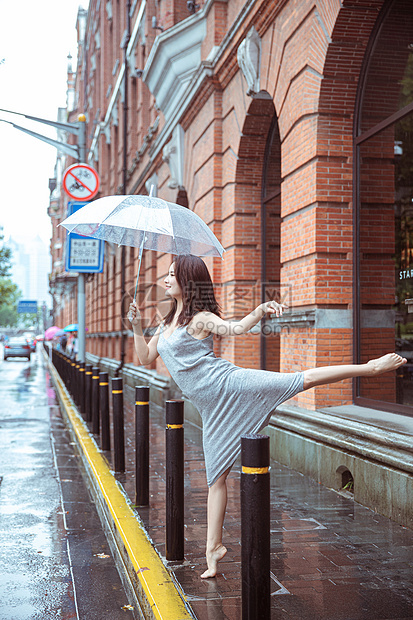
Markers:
(330, 557)
(55, 561)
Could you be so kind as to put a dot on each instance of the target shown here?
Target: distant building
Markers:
(30, 268)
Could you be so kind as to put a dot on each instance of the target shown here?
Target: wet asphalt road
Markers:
(54, 558)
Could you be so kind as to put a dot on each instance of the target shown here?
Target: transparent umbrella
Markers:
(145, 222)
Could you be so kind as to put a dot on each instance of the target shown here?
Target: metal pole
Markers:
(174, 444)
(104, 410)
(81, 319)
(88, 392)
(141, 445)
(81, 299)
(118, 425)
(95, 400)
(255, 527)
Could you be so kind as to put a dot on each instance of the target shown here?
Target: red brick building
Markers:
(287, 126)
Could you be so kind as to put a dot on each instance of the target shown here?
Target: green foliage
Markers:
(9, 295)
(8, 316)
(5, 260)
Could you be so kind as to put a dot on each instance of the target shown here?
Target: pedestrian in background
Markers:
(75, 346)
(63, 342)
(232, 401)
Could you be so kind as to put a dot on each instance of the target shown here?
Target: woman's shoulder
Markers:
(201, 324)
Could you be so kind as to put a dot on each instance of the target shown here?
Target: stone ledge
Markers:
(391, 448)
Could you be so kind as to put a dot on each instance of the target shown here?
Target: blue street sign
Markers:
(83, 254)
(27, 306)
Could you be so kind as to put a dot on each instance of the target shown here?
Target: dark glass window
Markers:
(384, 202)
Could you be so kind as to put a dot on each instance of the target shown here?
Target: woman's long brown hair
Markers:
(193, 278)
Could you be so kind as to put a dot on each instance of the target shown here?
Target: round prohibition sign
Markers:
(81, 182)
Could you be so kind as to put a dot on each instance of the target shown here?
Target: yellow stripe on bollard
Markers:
(255, 470)
(103, 383)
(117, 391)
(96, 377)
(174, 426)
(142, 402)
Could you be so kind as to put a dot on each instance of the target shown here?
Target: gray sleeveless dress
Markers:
(232, 401)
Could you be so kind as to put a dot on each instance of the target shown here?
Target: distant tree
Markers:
(9, 295)
(5, 258)
(8, 316)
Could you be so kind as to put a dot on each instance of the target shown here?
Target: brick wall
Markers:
(312, 53)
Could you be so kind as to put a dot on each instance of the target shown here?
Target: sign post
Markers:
(81, 182)
(83, 255)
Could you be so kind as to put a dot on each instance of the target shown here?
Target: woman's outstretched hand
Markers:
(134, 315)
(273, 307)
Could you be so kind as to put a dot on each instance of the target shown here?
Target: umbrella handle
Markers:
(139, 268)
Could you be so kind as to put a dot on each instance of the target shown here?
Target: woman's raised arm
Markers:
(207, 322)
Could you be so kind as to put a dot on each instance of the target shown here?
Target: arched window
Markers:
(383, 198)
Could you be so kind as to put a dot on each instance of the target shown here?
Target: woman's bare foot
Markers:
(213, 557)
(386, 363)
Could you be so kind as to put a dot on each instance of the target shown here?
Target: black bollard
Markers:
(95, 400)
(141, 445)
(255, 527)
(174, 440)
(77, 381)
(104, 410)
(73, 379)
(118, 425)
(82, 387)
(68, 372)
(88, 392)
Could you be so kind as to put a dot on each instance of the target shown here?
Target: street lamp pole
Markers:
(77, 152)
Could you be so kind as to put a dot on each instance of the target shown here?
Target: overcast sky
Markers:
(36, 37)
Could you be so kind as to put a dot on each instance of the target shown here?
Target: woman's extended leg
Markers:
(217, 504)
(331, 374)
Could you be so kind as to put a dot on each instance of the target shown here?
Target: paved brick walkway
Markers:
(330, 557)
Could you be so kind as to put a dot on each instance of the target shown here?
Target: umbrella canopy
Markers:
(51, 332)
(145, 222)
(71, 328)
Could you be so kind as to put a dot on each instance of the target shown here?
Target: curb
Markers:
(155, 593)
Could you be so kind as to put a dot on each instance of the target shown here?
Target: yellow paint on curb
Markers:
(160, 590)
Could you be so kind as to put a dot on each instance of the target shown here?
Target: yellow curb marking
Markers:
(161, 592)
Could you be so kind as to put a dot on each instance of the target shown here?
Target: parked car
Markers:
(17, 347)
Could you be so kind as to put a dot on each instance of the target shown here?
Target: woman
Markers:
(232, 401)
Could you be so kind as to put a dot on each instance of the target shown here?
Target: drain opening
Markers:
(347, 481)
